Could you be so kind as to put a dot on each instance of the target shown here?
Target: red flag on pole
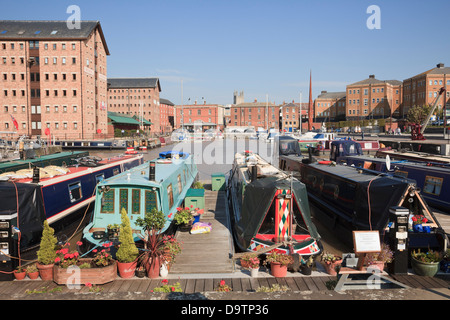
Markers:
(15, 122)
(310, 107)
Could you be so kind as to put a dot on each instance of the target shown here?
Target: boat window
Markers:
(107, 205)
(115, 171)
(150, 201)
(123, 199)
(75, 191)
(401, 173)
(99, 178)
(170, 195)
(136, 201)
(180, 188)
(433, 185)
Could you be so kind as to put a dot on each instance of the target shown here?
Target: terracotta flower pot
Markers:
(278, 270)
(331, 267)
(126, 269)
(45, 271)
(33, 275)
(20, 275)
(153, 268)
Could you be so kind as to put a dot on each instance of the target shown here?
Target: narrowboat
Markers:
(159, 184)
(95, 144)
(432, 179)
(415, 156)
(346, 199)
(59, 194)
(67, 190)
(270, 210)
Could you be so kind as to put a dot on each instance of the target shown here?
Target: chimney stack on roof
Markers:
(440, 65)
(372, 76)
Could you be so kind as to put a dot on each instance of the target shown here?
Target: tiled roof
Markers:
(376, 81)
(47, 30)
(123, 83)
(166, 102)
(332, 95)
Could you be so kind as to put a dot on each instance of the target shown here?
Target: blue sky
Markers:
(264, 48)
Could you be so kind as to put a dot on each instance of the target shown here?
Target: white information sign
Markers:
(366, 241)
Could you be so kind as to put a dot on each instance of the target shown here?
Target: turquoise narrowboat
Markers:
(161, 183)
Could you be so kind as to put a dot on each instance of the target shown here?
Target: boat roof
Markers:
(139, 175)
(436, 167)
(8, 164)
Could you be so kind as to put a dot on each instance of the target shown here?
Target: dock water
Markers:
(208, 252)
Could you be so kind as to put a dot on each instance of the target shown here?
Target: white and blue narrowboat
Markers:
(159, 184)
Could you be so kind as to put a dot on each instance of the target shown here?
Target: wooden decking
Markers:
(208, 252)
(245, 284)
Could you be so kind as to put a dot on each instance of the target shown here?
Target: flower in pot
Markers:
(20, 273)
(332, 262)
(223, 287)
(32, 271)
(278, 263)
(418, 220)
(47, 252)
(183, 217)
(171, 247)
(153, 240)
(250, 261)
(445, 263)
(127, 253)
(379, 259)
(140, 271)
(426, 263)
(103, 257)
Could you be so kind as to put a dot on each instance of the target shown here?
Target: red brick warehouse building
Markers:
(53, 77)
(137, 97)
(199, 116)
(255, 114)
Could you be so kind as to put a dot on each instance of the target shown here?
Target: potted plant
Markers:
(47, 252)
(379, 259)
(418, 220)
(113, 231)
(172, 247)
(140, 271)
(426, 263)
(307, 265)
(153, 254)
(332, 263)
(127, 253)
(278, 263)
(183, 219)
(196, 213)
(32, 271)
(100, 269)
(250, 261)
(20, 273)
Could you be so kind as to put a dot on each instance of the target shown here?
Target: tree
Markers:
(127, 252)
(47, 249)
(418, 114)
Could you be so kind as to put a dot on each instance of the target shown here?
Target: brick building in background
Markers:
(53, 79)
(167, 115)
(423, 89)
(136, 97)
(255, 114)
(330, 106)
(373, 99)
(202, 116)
(290, 115)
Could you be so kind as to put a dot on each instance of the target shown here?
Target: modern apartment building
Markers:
(136, 97)
(423, 89)
(53, 79)
(373, 99)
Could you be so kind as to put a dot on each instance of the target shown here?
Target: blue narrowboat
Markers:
(433, 180)
(159, 184)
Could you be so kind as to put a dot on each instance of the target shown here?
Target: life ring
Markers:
(131, 152)
(324, 162)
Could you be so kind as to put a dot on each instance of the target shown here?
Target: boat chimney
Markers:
(35, 174)
(254, 172)
(152, 170)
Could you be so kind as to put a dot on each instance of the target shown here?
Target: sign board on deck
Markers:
(366, 241)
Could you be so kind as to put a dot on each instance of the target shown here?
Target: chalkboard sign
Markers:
(366, 241)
